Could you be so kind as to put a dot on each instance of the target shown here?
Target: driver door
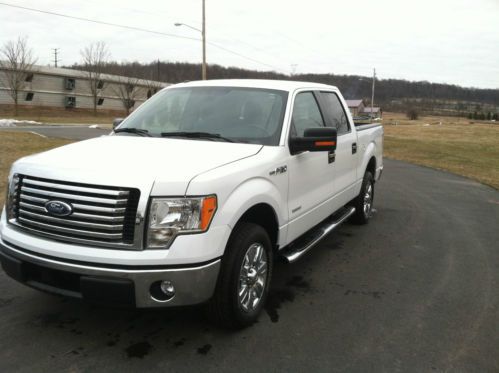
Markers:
(310, 173)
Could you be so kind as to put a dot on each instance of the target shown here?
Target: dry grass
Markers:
(76, 120)
(61, 116)
(14, 145)
(464, 147)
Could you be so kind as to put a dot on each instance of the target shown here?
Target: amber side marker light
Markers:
(325, 143)
(207, 211)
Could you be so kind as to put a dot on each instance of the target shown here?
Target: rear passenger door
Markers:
(345, 164)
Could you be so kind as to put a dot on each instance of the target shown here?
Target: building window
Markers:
(100, 84)
(100, 101)
(29, 77)
(70, 84)
(29, 96)
(70, 102)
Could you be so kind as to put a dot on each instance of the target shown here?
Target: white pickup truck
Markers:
(192, 197)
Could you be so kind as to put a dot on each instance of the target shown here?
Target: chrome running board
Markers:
(305, 242)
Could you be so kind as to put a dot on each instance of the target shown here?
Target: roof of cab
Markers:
(283, 85)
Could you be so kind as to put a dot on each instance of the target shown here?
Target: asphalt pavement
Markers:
(416, 290)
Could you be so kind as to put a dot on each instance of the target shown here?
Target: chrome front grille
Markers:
(101, 215)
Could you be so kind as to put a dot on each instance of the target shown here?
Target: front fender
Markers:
(248, 194)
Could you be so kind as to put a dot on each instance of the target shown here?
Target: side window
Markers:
(306, 114)
(336, 112)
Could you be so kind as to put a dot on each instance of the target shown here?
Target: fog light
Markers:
(162, 291)
(167, 288)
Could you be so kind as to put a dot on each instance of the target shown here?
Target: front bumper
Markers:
(118, 285)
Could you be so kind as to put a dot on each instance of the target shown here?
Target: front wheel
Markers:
(363, 203)
(244, 278)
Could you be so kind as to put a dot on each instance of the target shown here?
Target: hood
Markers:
(131, 161)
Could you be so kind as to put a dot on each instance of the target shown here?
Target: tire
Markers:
(238, 273)
(364, 201)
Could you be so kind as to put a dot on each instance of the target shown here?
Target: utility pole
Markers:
(157, 76)
(56, 50)
(203, 38)
(372, 96)
(203, 32)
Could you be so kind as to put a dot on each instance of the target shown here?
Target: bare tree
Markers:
(17, 63)
(94, 61)
(412, 113)
(153, 86)
(127, 89)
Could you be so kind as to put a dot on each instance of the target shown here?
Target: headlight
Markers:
(11, 200)
(169, 217)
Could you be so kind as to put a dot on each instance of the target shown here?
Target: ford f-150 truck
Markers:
(192, 197)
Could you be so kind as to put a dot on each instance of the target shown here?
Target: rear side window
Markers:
(306, 114)
(337, 114)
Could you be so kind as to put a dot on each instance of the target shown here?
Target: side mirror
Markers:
(117, 122)
(314, 140)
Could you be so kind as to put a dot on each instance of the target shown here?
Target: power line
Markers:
(241, 55)
(137, 29)
(261, 50)
(99, 22)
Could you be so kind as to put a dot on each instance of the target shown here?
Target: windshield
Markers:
(249, 115)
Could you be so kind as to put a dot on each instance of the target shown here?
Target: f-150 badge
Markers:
(278, 170)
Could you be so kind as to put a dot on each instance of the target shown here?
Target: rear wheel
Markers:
(244, 278)
(363, 203)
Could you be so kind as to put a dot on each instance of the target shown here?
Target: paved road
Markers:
(416, 290)
(73, 132)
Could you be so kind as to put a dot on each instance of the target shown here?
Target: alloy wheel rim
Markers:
(252, 277)
(368, 199)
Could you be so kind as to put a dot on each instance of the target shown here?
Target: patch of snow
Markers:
(15, 122)
(94, 126)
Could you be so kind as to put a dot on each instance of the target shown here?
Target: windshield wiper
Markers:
(137, 131)
(196, 135)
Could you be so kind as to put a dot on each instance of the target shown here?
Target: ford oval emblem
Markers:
(58, 208)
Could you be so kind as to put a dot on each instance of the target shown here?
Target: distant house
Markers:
(356, 107)
(376, 113)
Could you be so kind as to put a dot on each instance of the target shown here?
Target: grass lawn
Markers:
(14, 145)
(458, 145)
(102, 121)
(61, 116)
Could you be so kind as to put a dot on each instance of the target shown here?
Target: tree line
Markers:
(391, 94)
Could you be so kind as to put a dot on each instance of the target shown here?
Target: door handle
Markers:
(354, 148)
(331, 157)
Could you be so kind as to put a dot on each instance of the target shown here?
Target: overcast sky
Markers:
(447, 41)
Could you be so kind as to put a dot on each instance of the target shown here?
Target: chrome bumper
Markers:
(193, 284)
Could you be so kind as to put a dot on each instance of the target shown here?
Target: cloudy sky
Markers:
(449, 41)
